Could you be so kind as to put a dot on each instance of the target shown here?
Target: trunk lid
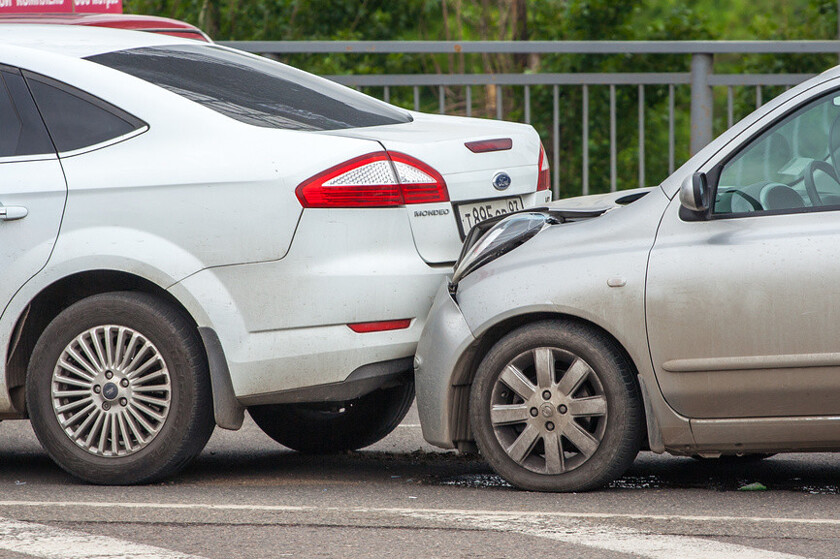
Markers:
(439, 141)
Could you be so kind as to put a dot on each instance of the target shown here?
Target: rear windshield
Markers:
(253, 89)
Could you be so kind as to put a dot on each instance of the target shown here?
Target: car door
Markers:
(32, 186)
(743, 304)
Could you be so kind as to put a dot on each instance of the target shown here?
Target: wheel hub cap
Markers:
(111, 391)
(548, 410)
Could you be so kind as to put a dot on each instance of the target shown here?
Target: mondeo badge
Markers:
(501, 181)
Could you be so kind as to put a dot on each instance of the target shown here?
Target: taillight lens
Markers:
(544, 179)
(420, 183)
(484, 146)
(379, 179)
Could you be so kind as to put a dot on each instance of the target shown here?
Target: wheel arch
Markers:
(51, 301)
(59, 295)
(467, 367)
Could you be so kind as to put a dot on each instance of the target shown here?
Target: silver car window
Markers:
(792, 166)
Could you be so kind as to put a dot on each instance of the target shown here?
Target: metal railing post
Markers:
(702, 101)
(613, 147)
(585, 142)
(642, 136)
(555, 141)
(671, 136)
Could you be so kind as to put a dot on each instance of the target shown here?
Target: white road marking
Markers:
(49, 542)
(612, 538)
(408, 510)
(412, 425)
(568, 527)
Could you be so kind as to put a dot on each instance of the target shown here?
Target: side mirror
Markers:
(694, 192)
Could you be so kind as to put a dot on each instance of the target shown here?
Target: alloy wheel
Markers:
(548, 410)
(111, 391)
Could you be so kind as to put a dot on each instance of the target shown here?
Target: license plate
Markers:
(476, 212)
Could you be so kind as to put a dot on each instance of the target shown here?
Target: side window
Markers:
(22, 131)
(76, 119)
(792, 166)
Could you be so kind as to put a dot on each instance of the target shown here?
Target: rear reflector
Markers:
(379, 179)
(483, 146)
(544, 178)
(365, 327)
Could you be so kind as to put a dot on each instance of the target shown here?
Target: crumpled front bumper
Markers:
(445, 340)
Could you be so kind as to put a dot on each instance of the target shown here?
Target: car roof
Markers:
(80, 41)
(123, 21)
(117, 21)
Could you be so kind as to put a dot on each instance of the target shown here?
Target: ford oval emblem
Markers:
(501, 181)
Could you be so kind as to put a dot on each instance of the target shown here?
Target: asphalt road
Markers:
(248, 497)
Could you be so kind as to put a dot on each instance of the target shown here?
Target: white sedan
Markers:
(189, 231)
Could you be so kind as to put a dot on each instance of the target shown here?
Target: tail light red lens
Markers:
(420, 183)
(544, 179)
(379, 179)
(484, 146)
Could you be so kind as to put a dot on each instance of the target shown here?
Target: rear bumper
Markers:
(265, 364)
(283, 325)
(444, 347)
(363, 380)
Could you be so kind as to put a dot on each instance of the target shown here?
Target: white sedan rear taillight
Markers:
(378, 179)
(544, 179)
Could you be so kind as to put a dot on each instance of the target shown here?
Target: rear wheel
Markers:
(117, 389)
(334, 427)
(555, 407)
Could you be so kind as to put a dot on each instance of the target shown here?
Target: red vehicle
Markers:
(152, 24)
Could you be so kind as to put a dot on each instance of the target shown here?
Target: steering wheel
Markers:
(755, 204)
(811, 185)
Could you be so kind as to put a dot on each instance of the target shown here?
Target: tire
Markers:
(155, 405)
(598, 437)
(335, 427)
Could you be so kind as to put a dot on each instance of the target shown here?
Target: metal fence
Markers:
(701, 80)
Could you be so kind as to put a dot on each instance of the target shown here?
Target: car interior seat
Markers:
(780, 197)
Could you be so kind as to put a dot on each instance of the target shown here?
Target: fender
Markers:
(152, 258)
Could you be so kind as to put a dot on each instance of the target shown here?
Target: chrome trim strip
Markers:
(112, 141)
(751, 362)
(23, 158)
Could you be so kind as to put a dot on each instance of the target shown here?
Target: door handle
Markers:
(11, 213)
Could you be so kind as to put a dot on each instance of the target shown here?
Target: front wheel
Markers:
(555, 406)
(335, 427)
(117, 389)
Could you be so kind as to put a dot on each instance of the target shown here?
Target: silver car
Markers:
(700, 317)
